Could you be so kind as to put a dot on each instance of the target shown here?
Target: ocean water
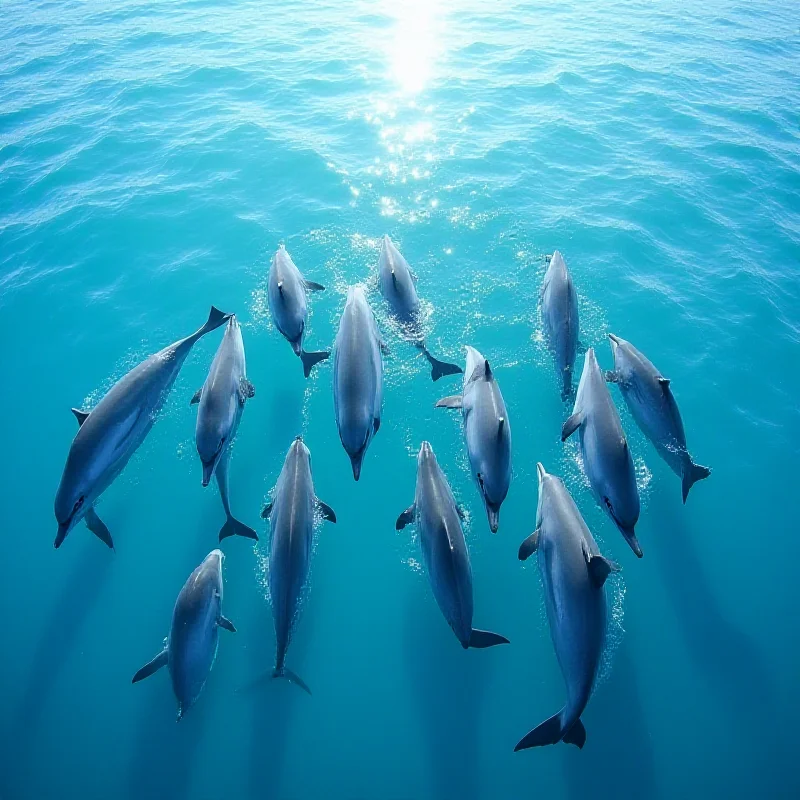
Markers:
(153, 155)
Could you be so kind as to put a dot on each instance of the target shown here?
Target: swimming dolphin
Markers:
(112, 432)
(288, 306)
(191, 647)
(222, 398)
(649, 397)
(397, 285)
(357, 377)
(444, 550)
(573, 573)
(487, 431)
(560, 318)
(291, 514)
(607, 459)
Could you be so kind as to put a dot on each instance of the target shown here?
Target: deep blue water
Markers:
(152, 158)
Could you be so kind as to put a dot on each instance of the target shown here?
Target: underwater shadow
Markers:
(75, 600)
(448, 684)
(617, 760)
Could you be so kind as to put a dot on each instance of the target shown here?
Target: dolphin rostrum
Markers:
(487, 431)
(398, 286)
(573, 574)
(111, 433)
(191, 647)
(649, 397)
(607, 459)
(357, 377)
(292, 513)
(222, 398)
(288, 306)
(560, 318)
(444, 550)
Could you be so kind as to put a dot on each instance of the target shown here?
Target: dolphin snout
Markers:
(208, 471)
(425, 450)
(541, 472)
(63, 530)
(356, 463)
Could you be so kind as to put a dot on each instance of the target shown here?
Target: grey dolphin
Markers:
(291, 513)
(560, 318)
(191, 647)
(397, 285)
(487, 431)
(649, 397)
(222, 398)
(112, 432)
(444, 550)
(573, 574)
(607, 459)
(288, 306)
(357, 377)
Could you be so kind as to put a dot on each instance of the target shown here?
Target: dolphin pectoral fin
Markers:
(98, 527)
(487, 371)
(576, 735)
(529, 546)
(224, 622)
(80, 415)
(691, 474)
(267, 510)
(406, 518)
(312, 286)
(612, 376)
(246, 390)
(151, 666)
(233, 527)
(327, 512)
(571, 425)
(599, 568)
(454, 401)
(291, 677)
(312, 359)
(481, 639)
(196, 397)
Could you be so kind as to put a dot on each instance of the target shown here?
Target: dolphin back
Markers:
(560, 319)
(397, 284)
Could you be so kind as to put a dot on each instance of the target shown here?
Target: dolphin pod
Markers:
(649, 397)
(191, 646)
(398, 286)
(487, 432)
(221, 402)
(357, 377)
(287, 289)
(444, 550)
(112, 431)
(291, 514)
(560, 319)
(606, 456)
(573, 575)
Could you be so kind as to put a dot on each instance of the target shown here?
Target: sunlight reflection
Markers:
(414, 44)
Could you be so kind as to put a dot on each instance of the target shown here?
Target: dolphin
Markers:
(444, 550)
(291, 513)
(221, 403)
(288, 307)
(649, 397)
(398, 286)
(357, 377)
(191, 647)
(607, 459)
(573, 574)
(560, 318)
(487, 431)
(111, 433)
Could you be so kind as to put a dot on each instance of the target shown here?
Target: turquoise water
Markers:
(152, 158)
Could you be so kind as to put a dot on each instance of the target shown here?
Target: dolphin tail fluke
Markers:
(235, 528)
(440, 368)
(552, 732)
(691, 474)
(151, 666)
(98, 528)
(480, 639)
(215, 319)
(310, 359)
(292, 677)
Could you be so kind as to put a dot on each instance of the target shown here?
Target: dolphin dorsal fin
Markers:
(280, 286)
(501, 423)
(664, 382)
(80, 415)
(487, 370)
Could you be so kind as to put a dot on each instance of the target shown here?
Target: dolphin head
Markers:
(210, 448)
(543, 477)
(622, 504)
(299, 449)
(72, 501)
(425, 454)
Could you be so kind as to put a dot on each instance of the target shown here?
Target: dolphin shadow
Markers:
(448, 684)
(617, 760)
(286, 405)
(74, 602)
